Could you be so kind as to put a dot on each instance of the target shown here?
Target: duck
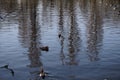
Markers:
(114, 8)
(1, 17)
(118, 12)
(7, 67)
(59, 35)
(42, 74)
(45, 48)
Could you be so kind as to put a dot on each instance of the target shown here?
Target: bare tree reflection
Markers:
(84, 6)
(61, 33)
(8, 5)
(47, 12)
(74, 39)
(94, 32)
(34, 44)
(7, 8)
(69, 36)
(29, 31)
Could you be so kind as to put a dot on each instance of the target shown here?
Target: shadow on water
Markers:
(75, 31)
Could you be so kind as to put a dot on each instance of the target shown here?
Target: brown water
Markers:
(88, 47)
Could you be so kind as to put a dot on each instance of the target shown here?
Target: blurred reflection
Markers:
(34, 44)
(47, 12)
(95, 31)
(84, 6)
(69, 36)
(67, 17)
(74, 39)
(7, 7)
(28, 31)
(61, 32)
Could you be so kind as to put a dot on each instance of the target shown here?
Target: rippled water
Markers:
(83, 37)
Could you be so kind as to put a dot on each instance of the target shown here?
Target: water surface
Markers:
(83, 37)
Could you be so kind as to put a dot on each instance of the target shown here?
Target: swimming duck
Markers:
(59, 35)
(114, 8)
(1, 17)
(7, 67)
(118, 12)
(45, 48)
(43, 74)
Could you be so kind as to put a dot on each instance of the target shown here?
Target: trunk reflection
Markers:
(95, 31)
(29, 32)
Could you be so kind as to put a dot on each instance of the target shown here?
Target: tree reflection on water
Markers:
(71, 34)
(72, 28)
(94, 31)
(29, 32)
(29, 28)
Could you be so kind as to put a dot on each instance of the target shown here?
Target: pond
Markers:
(82, 37)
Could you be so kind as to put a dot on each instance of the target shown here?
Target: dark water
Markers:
(88, 47)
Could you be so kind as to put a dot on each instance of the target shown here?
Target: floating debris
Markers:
(45, 48)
